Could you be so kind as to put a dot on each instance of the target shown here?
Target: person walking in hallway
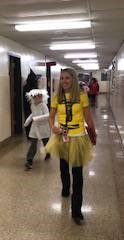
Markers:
(70, 142)
(94, 91)
(40, 129)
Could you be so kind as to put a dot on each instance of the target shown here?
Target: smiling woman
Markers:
(70, 142)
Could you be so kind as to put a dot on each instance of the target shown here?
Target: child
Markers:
(84, 86)
(40, 129)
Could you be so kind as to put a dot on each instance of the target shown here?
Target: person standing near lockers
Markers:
(70, 143)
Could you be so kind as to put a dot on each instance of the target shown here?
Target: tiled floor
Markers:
(31, 207)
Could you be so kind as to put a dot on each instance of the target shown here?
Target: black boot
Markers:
(65, 178)
(76, 198)
(76, 203)
(65, 192)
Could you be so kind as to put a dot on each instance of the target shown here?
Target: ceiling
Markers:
(107, 29)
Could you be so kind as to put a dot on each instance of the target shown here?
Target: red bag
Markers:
(92, 136)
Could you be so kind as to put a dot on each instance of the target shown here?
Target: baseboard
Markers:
(6, 141)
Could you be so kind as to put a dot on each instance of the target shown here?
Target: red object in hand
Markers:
(92, 136)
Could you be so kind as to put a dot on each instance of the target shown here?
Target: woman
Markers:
(94, 91)
(70, 141)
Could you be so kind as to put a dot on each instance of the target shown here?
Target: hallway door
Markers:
(16, 95)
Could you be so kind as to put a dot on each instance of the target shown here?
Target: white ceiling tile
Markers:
(107, 24)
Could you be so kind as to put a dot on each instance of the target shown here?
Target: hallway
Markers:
(31, 207)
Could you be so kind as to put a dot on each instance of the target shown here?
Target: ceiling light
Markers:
(105, 116)
(76, 45)
(85, 61)
(80, 55)
(52, 20)
(53, 25)
(89, 66)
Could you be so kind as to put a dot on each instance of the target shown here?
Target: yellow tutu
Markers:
(77, 152)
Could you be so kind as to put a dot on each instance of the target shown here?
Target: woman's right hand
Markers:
(56, 130)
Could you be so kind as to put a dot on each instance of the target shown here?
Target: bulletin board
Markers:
(104, 77)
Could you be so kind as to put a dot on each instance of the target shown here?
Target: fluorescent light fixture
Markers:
(89, 66)
(48, 21)
(105, 116)
(53, 25)
(80, 55)
(85, 61)
(69, 46)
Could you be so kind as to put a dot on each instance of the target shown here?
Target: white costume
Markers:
(40, 127)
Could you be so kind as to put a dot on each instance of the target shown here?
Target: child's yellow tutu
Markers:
(77, 152)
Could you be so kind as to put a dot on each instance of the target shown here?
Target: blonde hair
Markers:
(74, 91)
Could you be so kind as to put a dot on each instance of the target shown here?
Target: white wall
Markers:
(27, 56)
(120, 68)
(55, 77)
(117, 73)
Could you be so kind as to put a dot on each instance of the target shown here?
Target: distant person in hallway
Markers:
(40, 129)
(70, 142)
(93, 93)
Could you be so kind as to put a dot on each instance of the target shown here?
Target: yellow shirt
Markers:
(77, 114)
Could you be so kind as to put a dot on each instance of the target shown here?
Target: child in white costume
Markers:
(40, 129)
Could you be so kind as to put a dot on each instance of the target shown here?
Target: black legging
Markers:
(77, 186)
